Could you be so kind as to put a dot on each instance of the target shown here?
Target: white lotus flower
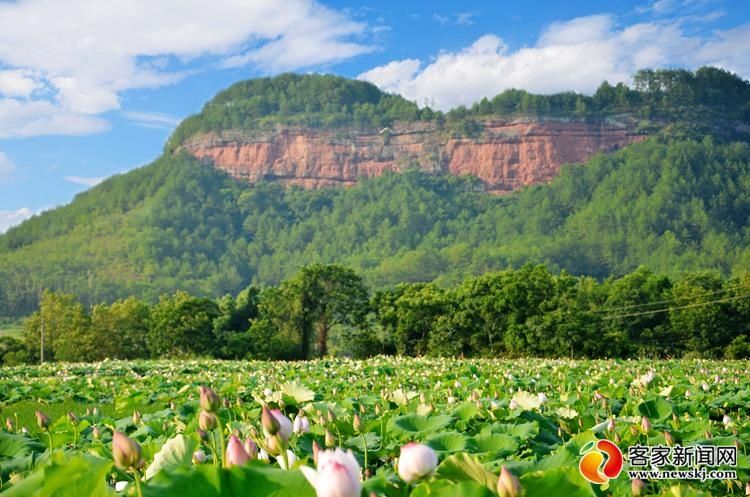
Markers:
(416, 461)
(338, 474)
(301, 424)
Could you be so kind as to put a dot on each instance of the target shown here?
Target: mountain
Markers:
(674, 196)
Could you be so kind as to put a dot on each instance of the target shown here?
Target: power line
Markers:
(669, 300)
(657, 311)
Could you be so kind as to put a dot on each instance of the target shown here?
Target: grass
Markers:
(11, 329)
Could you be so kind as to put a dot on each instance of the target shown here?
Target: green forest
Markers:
(678, 202)
(328, 309)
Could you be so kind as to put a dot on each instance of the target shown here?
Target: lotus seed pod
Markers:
(209, 399)
(508, 485)
(42, 420)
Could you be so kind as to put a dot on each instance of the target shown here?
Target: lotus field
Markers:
(384, 426)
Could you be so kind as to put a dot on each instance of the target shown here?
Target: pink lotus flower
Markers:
(337, 475)
(236, 453)
(416, 461)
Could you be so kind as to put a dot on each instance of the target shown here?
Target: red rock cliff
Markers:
(506, 155)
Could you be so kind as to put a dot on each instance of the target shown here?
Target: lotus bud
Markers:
(209, 400)
(253, 433)
(9, 424)
(172, 406)
(199, 457)
(274, 446)
(668, 438)
(645, 424)
(88, 411)
(508, 485)
(207, 421)
(611, 424)
(238, 403)
(290, 458)
(362, 409)
(357, 423)
(316, 451)
(96, 433)
(637, 487)
(617, 438)
(329, 441)
(42, 420)
(73, 418)
(137, 417)
(727, 421)
(338, 474)
(269, 422)
(24, 430)
(225, 402)
(281, 404)
(377, 409)
(598, 396)
(422, 398)
(202, 434)
(126, 452)
(251, 449)
(708, 434)
(301, 424)
(331, 417)
(416, 461)
(747, 489)
(263, 455)
(236, 453)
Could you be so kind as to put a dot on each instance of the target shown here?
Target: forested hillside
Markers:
(674, 205)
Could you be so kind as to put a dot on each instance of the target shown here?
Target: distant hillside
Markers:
(673, 204)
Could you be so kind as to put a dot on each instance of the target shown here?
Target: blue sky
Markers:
(87, 91)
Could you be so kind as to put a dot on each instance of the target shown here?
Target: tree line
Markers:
(709, 99)
(328, 310)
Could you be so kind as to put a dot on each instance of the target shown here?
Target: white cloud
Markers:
(574, 55)
(22, 118)
(148, 119)
(81, 180)
(7, 167)
(78, 56)
(16, 83)
(12, 218)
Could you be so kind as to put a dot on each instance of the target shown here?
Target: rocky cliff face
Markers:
(505, 155)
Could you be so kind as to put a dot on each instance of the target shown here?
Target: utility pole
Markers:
(41, 346)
